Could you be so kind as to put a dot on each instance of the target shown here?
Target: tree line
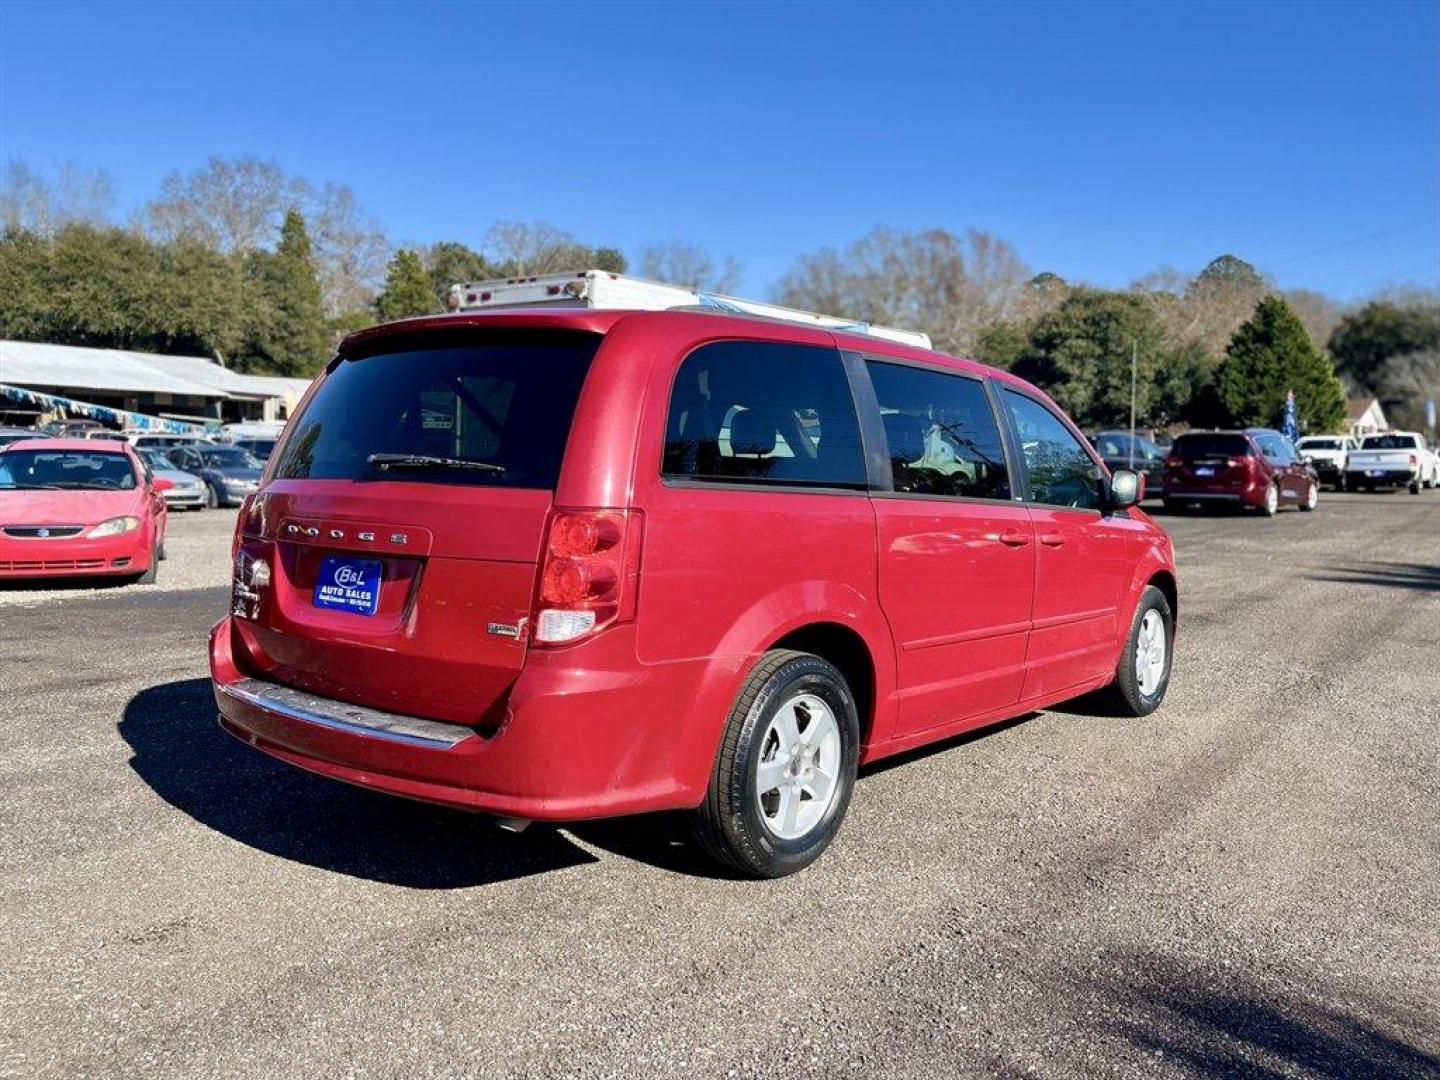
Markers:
(266, 271)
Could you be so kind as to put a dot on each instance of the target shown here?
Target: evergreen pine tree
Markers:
(407, 289)
(291, 335)
(1269, 355)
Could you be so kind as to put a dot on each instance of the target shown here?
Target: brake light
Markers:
(1238, 462)
(1414, 459)
(1174, 461)
(589, 578)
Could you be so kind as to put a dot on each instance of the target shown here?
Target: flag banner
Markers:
(127, 421)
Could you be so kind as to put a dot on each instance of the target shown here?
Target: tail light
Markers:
(1414, 459)
(1238, 462)
(590, 575)
(1174, 461)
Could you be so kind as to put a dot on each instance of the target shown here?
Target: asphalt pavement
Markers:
(1246, 883)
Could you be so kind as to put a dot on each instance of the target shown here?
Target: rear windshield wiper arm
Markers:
(428, 461)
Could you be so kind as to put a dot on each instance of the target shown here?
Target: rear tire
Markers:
(755, 831)
(1141, 681)
(212, 497)
(1415, 486)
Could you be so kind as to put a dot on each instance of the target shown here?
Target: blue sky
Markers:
(1102, 140)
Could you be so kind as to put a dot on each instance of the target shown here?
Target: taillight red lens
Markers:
(1414, 459)
(1174, 461)
(590, 576)
(1237, 462)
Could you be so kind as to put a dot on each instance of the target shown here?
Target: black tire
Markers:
(728, 826)
(1415, 487)
(212, 497)
(148, 577)
(1124, 693)
(160, 555)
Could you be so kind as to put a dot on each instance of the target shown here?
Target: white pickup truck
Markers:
(1391, 459)
(1327, 455)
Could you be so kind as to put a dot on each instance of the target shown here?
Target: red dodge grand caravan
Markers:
(570, 564)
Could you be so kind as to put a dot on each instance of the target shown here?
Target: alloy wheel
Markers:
(1150, 648)
(798, 772)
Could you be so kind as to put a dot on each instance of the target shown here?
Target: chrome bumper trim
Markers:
(342, 716)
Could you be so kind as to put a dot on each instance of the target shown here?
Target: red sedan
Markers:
(73, 507)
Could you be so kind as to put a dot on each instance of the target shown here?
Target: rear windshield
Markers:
(1192, 446)
(1319, 444)
(1388, 442)
(499, 403)
(66, 469)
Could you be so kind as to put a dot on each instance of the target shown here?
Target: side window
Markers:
(1061, 472)
(763, 412)
(942, 435)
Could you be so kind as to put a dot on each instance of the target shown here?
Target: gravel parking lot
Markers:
(1245, 883)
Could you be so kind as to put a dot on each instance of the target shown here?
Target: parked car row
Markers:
(1260, 468)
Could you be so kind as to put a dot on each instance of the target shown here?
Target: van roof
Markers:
(602, 320)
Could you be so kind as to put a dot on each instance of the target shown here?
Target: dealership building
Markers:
(187, 388)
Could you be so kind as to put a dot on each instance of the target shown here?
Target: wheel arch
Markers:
(844, 647)
(1164, 580)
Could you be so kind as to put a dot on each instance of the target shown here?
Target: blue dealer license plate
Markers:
(348, 585)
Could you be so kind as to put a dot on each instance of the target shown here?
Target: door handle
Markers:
(1014, 538)
(1053, 539)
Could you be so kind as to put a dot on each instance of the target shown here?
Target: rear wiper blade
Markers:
(428, 461)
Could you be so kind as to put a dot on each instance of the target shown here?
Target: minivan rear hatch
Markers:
(401, 522)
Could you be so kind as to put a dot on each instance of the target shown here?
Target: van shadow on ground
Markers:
(183, 755)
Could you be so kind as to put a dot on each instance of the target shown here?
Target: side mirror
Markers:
(1126, 489)
(163, 484)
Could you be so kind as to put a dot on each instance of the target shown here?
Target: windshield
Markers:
(1319, 444)
(498, 399)
(1389, 442)
(156, 459)
(67, 469)
(229, 457)
(1193, 446)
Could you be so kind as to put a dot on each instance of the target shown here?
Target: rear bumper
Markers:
(1384, 477)
(80, 556)
(579, 740)
(1252, 495)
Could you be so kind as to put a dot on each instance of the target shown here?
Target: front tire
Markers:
(1143, 674)
(212, 497)
(785, 770)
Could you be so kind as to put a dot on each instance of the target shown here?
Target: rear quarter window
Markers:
(764, 413)
(500, 400)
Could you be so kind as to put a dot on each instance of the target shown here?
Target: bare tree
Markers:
(1406, 383)
(1320, 314)
(690, 265)
(232, 204)
(239, 204)
(949, 286)
(526, 248)
(351, 250)
(32, 201)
